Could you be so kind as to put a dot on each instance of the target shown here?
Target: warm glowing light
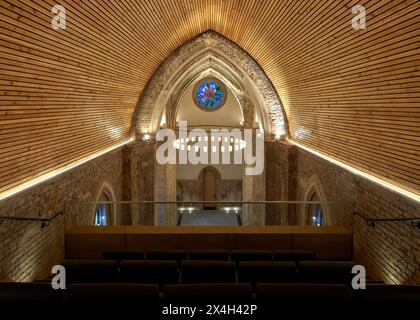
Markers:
(115, 132)
(163, 120)
(360, 173)
(182, 144)
(59, 171)
(302, 133)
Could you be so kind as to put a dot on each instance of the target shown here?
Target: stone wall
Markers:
(28, 251)
(180, 58)
(192, 190)
(139, 182)
(391, 250)
(280, 167)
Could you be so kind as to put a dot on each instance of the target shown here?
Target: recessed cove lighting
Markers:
(59, 171)
(360, 173)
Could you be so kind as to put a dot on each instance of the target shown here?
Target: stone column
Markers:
(280, 182)
(165, 190)
(254, 190)
(253, 186)
(138, 182)
(127, 214)
(145, 180)
(291, 181)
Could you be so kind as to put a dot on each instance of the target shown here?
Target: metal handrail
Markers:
(371, 221)
(44, 221)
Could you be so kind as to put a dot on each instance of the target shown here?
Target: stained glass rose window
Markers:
(209, 94)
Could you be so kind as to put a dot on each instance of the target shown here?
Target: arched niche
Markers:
(210, 179)
(314, 192)
(208, 53)
(106, 194)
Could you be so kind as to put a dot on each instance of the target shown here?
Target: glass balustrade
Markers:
(195, 213)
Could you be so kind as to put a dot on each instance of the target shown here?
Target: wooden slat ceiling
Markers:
(351, 94)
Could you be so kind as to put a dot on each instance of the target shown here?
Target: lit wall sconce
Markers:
(146, 137)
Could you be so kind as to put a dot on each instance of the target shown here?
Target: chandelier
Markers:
(228, 143)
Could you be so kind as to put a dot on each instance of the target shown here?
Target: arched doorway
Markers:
(210, 181)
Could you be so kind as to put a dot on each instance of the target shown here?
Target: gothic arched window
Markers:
(103, 211)
(314, 212)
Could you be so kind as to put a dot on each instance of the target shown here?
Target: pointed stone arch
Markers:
(237, 68)
(314, 186)
(107, 191)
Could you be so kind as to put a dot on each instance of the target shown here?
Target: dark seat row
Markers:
(221, 255)
(165, 272)
(207, 293)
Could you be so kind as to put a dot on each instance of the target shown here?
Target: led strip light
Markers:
(57, 172)
(54, 173)
(360, 173)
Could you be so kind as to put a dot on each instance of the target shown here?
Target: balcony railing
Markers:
(44, 221)
(415, 221)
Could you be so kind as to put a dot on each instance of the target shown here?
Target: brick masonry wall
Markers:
(390, 251)
(28, 252)
(280, 169)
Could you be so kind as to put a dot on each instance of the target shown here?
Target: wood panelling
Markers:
(331, 242)
(351, 94)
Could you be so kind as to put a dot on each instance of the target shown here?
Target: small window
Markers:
(315, 216)
(103, 212)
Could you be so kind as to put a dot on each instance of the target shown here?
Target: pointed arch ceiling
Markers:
(350, 94)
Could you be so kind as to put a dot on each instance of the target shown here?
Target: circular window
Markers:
(209, 94)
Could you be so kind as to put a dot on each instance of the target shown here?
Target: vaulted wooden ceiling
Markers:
(351, 94)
